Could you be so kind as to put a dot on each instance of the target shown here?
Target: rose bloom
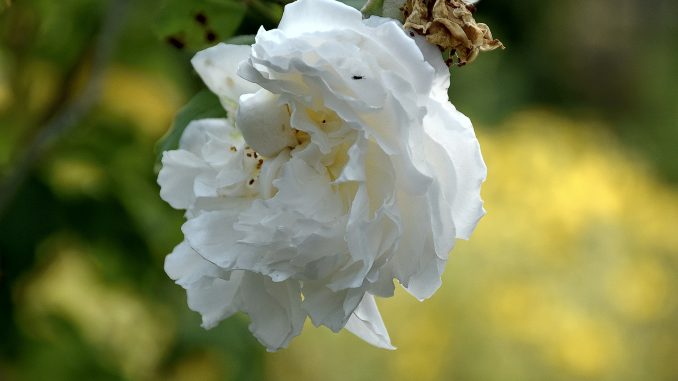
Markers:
(341, 167)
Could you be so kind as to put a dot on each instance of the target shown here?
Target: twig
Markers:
(68, 116)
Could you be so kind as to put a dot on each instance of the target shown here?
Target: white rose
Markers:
(348, 168)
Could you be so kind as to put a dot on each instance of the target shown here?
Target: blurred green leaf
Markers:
(384, 8)
(392, 9)
(373, 8)
(271, 11)
(202, 105)
(246, 39)
(195, 25)
(357, 4)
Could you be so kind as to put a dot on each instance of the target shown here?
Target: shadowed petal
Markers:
(366, 323)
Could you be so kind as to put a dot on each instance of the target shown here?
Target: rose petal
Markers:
(366, 323)
(211, 234)
(194, 169)
(185, 266)
(217, 66)
(329, 308)
(454, 133)
(200, 132)
(274, 309)
(265, 123)
(217, 300)
(307, 16)
(416, 248)
(177, 176)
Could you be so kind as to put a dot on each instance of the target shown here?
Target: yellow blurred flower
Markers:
(149, 102)
(131, 333)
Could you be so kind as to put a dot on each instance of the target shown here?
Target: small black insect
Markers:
(356, 77)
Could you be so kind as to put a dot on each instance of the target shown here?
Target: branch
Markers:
(71, 113)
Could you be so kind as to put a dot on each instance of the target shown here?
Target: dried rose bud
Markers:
(449, 24)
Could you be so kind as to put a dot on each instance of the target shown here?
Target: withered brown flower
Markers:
(450, 25)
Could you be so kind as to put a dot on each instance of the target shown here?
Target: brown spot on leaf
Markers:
(201, 18)
(175, 41)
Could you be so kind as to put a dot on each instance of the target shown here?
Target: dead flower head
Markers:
(449, 24)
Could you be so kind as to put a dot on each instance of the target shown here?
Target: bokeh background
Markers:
(570, 276)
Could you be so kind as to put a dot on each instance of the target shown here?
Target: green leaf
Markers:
(357, 4)
(245, 39)
(271, 11)
(202, 105)
(373, 8)
(393, 9)
(383, 8)
(196, 24)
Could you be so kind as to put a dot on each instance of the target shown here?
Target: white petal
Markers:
(216, 301)
(265, 123)
(392, 38)
(371, 239)
(416, 254)
(206, 205)
(453, 131)
(217, 66)
(269, 172)
(185, 266)
(441, 81)
(177, 176)
(192, 171)
(274, 309)
(367, 324)
(307, 16)
(329, 308)
(199, 132)
(283, 232)
(211, 234)
(423, 284)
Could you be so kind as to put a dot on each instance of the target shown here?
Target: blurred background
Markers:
(570, 276)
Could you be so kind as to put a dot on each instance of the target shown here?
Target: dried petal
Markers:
(449, 24)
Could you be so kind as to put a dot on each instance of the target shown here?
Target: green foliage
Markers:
(245, 39)
(373, 8)
(392, 9)
(357, 4)
(195, 25)
(202, 105)
(384, 8)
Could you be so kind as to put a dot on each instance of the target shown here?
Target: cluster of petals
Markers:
(341, 167)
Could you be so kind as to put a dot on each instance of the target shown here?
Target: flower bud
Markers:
(264, 123)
